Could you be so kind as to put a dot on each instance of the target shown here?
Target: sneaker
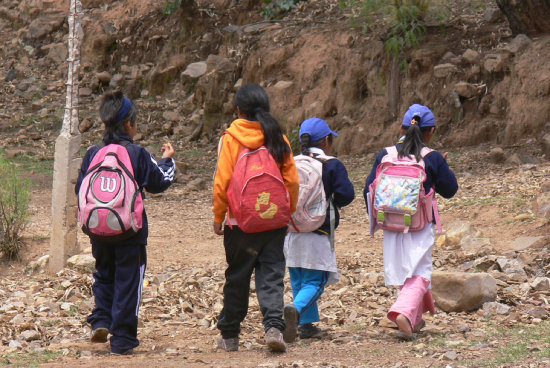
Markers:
(308, 330)
(404, 337)
(231, 344)
(99, 334)
(291, 321)
(123, 352)
(274, 340)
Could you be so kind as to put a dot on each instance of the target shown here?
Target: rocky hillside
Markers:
(485, 83)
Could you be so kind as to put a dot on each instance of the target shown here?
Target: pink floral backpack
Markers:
(398, 201)
(110, 202)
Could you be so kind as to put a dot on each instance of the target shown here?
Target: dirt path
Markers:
(185, 275)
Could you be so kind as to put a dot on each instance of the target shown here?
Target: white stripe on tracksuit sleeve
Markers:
(168, 174)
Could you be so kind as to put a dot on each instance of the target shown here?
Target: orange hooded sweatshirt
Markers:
(249, 134)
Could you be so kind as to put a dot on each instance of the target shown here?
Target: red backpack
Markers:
(257, 195)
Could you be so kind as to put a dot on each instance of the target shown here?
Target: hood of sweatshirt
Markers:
(248, 133)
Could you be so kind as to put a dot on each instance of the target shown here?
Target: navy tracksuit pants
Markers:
(245, 253)
(117, 288)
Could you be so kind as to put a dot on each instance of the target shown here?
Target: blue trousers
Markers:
(117, 287)
(307, 286)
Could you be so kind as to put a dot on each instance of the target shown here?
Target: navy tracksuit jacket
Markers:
(338, 186)
(120, 267)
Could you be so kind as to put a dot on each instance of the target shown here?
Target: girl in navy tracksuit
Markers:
(408, 257)
(120, 266)
(310, 257)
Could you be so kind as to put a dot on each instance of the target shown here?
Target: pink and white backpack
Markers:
(110, 203)
(398, 200)
(312, 206)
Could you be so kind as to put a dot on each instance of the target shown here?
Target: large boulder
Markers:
(195, 70)
(83, 262)
(98, 38)
(167, 72)
(457, 231)
(458, 291)
(215, 88)
(56, 52)
(44, 25)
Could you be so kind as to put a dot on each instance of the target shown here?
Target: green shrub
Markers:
(404, 18)
(275, 8)
(171, 6)
(294, 139)
(15, 195)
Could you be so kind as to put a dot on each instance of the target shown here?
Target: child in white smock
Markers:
(310, 257)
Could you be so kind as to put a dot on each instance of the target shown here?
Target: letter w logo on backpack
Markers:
(398, 198)
(110, 203)
(257, 195)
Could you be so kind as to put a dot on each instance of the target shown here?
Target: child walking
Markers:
(261, 252)
(408, 256)
(310, 256)
(120, 265)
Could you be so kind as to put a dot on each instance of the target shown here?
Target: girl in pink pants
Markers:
(408, 256)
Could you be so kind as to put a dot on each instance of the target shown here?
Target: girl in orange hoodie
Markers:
(261, 252)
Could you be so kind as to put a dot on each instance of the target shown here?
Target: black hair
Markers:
(111, 103)
(305, 143)
(253, 101)
(414, 140)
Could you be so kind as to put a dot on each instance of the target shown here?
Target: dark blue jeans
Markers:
(245, 253)
(117, 287)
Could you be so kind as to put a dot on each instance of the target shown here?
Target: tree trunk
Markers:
(530, 17)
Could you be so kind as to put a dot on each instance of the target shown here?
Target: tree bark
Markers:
(530, 17)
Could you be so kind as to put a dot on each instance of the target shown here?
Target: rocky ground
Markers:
(491, 227)
(494, 225)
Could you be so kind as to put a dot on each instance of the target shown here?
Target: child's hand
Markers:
(167, 150)
(445, 155)
(218, 229)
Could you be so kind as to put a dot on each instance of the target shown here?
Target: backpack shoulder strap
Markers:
(323, 158)
(425, 150)
(392, 151)
(220, 144)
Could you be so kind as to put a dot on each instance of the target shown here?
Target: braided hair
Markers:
(305, 143)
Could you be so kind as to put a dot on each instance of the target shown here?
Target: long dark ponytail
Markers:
(253, 101)
(414, 140)
(114, 111)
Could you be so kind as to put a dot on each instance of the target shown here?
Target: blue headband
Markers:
(124, 110)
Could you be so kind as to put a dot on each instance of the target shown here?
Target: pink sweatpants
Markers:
(414, 299)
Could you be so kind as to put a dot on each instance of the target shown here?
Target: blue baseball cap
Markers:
(316, 128)
(427, 118)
